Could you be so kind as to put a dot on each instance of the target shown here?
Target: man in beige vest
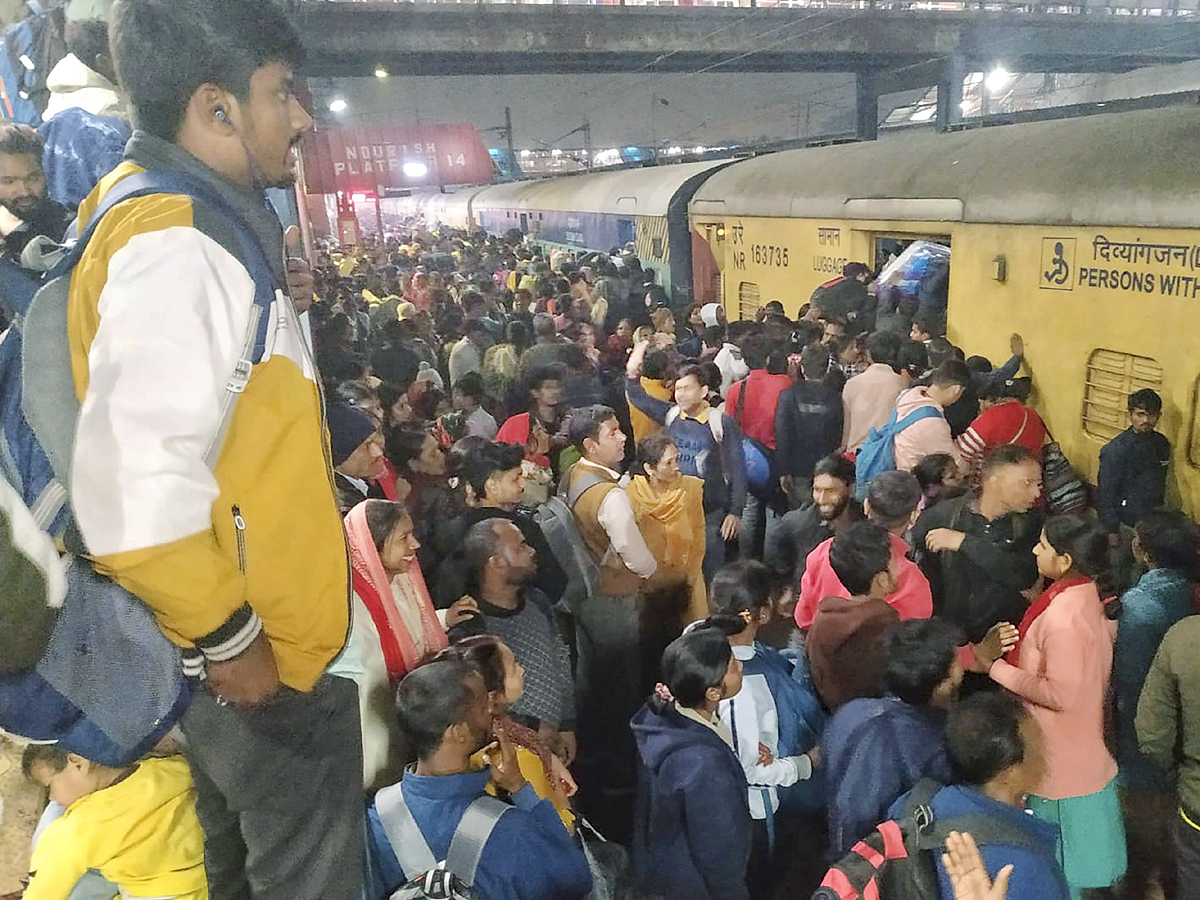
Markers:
(609, 675)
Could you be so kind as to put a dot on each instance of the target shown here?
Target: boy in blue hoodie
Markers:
(710, 447)
(997, 754)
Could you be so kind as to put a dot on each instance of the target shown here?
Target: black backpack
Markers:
(897, 862)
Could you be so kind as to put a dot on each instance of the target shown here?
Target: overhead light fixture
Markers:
(996, 80)
(26, 61)
(415, 169)
(338, 105)
(381, 72)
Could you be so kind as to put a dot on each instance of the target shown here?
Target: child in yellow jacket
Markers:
(136, 826)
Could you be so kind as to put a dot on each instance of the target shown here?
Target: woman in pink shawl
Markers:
(394, 627)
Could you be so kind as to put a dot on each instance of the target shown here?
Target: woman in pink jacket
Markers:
(1060, 667)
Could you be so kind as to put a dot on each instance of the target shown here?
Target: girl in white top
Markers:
(774, 722)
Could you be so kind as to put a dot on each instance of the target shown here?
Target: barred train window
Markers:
(749, 301)
(1111, 377)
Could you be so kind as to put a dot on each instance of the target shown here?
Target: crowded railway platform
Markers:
(813, 524)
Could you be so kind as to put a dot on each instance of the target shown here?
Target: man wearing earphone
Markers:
(177, 313)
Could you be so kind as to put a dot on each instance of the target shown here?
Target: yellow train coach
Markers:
(1081, 234)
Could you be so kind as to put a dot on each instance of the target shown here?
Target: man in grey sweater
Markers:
(501, 564)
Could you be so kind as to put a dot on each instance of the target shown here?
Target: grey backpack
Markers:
(452, 878)
(556, 518)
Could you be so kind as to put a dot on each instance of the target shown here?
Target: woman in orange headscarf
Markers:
(669, 509)
(394, 627)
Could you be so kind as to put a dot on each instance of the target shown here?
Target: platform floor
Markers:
(23, 802)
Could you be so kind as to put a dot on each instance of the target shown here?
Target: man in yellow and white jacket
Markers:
(243, 562)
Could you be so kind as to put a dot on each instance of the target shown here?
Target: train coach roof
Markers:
(644, 192)
(1130, 168)
(457, 202)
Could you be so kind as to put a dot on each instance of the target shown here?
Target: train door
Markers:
(912, 276)
(886, 247)
(708, 258)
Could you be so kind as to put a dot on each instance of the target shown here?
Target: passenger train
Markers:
(1081, 234)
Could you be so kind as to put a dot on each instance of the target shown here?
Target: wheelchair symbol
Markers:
(1058, 261)
(1061, 271)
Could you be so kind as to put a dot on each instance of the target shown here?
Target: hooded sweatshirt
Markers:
(73, 85)
(925, 436)
(844, 656)
(912, 598)
(140, 833)
(691, 830)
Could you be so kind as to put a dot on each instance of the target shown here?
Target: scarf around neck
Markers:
(671, 509)
(1042, 603)
(374, 589)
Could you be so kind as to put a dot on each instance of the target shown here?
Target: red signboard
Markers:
(373, 160)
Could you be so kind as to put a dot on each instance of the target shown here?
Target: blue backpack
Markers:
(31, 48)
(878, 452)
(103, 681)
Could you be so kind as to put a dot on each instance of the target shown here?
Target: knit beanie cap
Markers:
(349, 427)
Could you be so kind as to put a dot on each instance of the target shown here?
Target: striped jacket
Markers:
(159, 309)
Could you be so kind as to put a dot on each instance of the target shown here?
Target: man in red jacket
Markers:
(1004, 419)
(752, 403)
(843, 645)
(892, 503)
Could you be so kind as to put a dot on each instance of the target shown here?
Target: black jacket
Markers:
(797, 534)
(51, 220)
(1133, 477)
(808, 427)
(980, 584)
(452, 579)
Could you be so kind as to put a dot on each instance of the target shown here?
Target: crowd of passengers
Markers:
(730, 594)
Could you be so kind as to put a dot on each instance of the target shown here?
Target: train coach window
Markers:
(1111, 377)
(749, 300)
